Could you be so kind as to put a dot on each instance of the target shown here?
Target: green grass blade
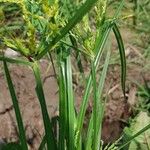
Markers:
(95, 106)
(66, 101)
(70, 103)
(62, 107)
(71, 23)
(117, 13)
(50, 138)
(98, 110)
(99, 48)
(42, 144)
(16, 61)
(122, 56)
(88, 144)
(100, 107)
(22, 136)
(134, 136)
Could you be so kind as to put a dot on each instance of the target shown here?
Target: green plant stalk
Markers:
(99, 47)
(100, 111)
(100, 106)
(66, 99)
(100, 42)
(50, 138)
(88, 144)
(70, 103)
(95, 105)
(22, 136)
(69, 26)
(62, 108)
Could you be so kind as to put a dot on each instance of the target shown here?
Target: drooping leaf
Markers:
(122, 56)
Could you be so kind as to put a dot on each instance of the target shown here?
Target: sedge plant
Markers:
(66, 27)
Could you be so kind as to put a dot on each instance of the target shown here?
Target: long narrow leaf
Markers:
(100, 46)
(95, 106)
(22, 136)
(134, 136)
(62, 107)
(122, 56)
(50, 138)
(15, 61)
(70, 103)
(100, 106)
(88, 144)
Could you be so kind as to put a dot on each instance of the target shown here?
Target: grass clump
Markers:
(66, 28)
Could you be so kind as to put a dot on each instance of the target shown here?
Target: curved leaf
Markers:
(122, 55)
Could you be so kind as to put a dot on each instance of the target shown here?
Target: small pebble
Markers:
(11, 53)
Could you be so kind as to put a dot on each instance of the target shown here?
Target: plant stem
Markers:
(51, 144)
